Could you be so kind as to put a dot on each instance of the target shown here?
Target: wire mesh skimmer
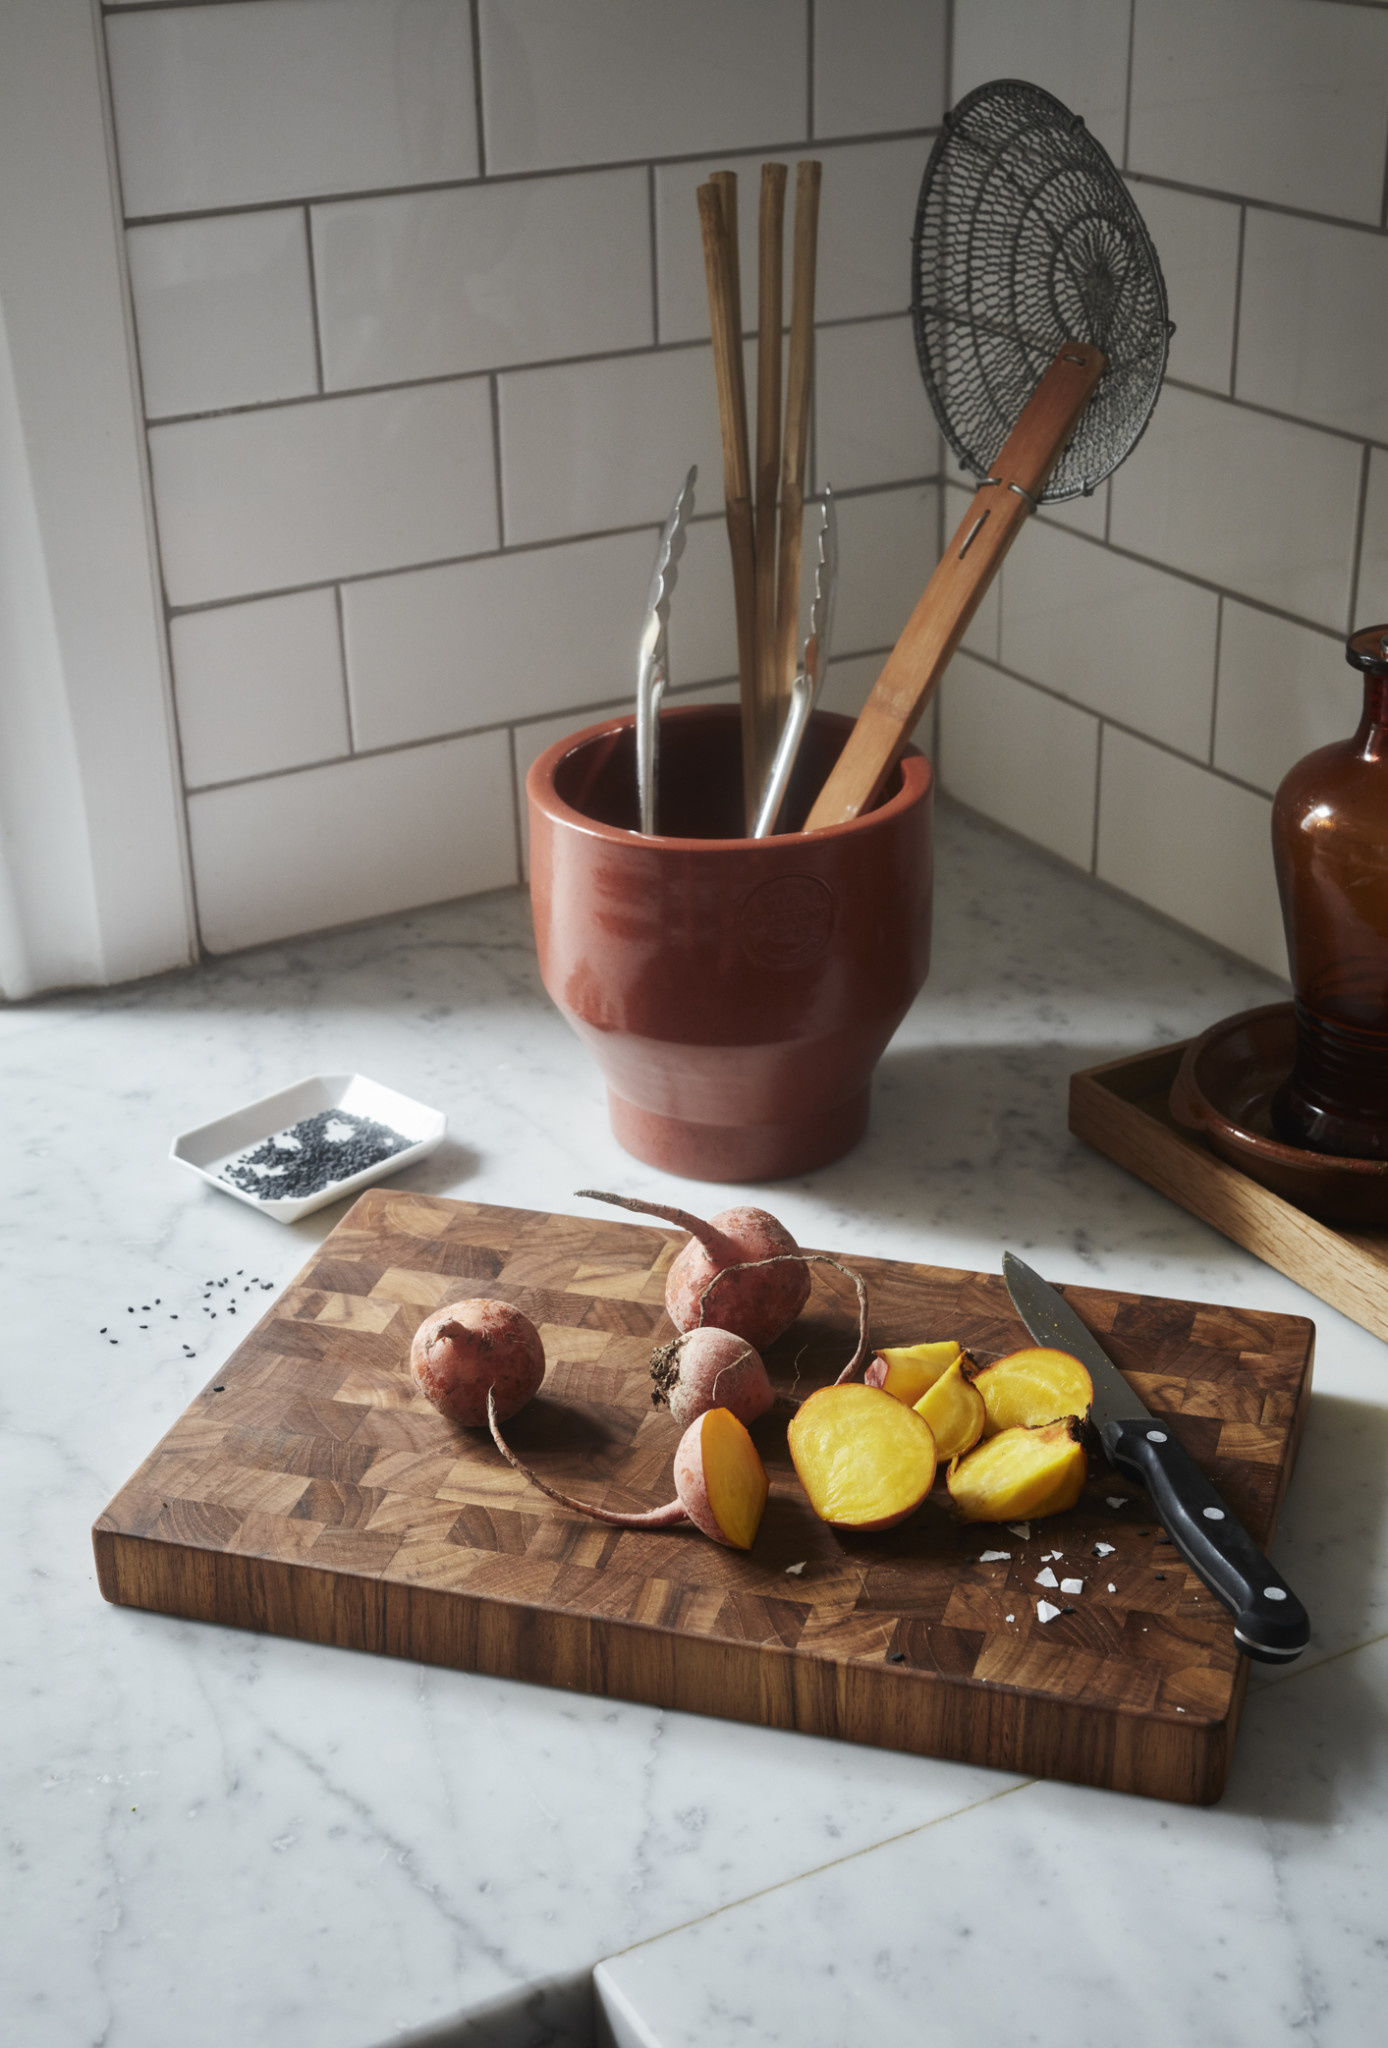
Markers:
(1026, 237)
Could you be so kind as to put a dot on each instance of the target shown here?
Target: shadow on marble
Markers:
(1311, 1743)
(554, 2014)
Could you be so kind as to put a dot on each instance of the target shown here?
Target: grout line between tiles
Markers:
(1356, 560)
(342, 652)
(517, 800)
(1303, 1670)
(1128, 85)
(526, 547)
(655, 255)
(1120, 725)
(1238, 304)
(494, 395)
(1214, 692)
(595, 708)
(809, 70)
(314, 311)
(475, 27)
(1098, 793)
(744, 152)
(680, 345)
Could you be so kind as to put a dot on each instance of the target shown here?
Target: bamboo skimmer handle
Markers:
(959, 584)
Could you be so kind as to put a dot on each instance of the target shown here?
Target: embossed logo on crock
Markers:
(787, 921)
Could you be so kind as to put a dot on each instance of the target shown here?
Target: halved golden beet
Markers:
(720, 1480)
(954, 1409)
(1020, 1474)
(866, 1460)
(909, 1370)
(1032, 1387)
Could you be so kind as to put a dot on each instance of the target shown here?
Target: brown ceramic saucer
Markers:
(1224, 1088)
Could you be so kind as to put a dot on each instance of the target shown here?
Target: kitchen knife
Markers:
(1270, 1623)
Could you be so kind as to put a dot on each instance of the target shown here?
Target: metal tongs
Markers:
(804, 691)
(653, 663)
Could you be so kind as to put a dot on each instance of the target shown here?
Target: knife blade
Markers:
(1270, 1623)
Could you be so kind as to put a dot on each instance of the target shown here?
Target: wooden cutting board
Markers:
(310, 1492)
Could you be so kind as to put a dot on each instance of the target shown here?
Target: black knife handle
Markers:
(1270, 1623)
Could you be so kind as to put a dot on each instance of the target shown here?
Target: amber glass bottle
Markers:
(1330, 846)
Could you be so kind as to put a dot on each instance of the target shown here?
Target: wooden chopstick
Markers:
(718, 221)
(770, 257)
(799, 377)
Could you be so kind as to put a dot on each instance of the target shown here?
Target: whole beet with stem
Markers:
(762, 1280)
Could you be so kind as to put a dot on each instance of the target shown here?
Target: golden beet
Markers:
(954, 1409)
(1031, 1387)
(865, 1460)
(1020, 1474)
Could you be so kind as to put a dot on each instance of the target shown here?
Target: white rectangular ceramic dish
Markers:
(207, 1150)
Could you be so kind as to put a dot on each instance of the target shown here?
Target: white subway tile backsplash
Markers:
(703, 625)
(1076, 49)
(429, 284)
(873, 423)
(359, 839)
(223, 311)
(1197, 242)
(616, 79)
(848, 686)
(1020, 757)
(587, 446)
(1079, 515)
(258, 501)
(1283, 689)
(478, 643)
(878, 64)
(279, 99)
(1311, 322)
(1264, 507)
(1117, 636)
(1277, 100)
(867, 206)
(888, 542)
(259, 687)
(1192, 846)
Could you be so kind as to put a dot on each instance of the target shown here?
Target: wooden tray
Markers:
(1121, 1110)
(309, 1492)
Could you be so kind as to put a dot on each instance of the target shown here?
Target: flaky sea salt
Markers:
(1112, 1588)
(1072, 1585)
(1045, 1612)
(1103, 1549)
(1046, 1577)
(1022, 1529)
(994, 1556)
(1116, 1500)
(794, 1570)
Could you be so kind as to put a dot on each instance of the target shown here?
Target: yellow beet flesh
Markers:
(954, 1409)
(865, 1459)
(1020, 1474)
(734, 1477)
(1033, 1387)
(912, 1369)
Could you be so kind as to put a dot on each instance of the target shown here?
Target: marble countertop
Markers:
(217, 1838)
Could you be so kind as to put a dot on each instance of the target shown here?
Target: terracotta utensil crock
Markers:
(736, 993)
(1224, 1087)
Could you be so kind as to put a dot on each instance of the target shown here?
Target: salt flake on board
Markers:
(1116, 1500)
(1045, 1612)
(1112, 1588)
(1022, 1529)
(994, 1556)
(794, 1570)
(1046, 1577)
(1104, 1549)
(1072, 1585)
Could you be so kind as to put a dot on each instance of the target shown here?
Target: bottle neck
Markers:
(1371, 739)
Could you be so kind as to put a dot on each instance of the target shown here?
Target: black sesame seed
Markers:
(304, 1159)
(1067, 1610)
(896, 1657)
(102, 1331)
(219, 1390)
(1161, 1575)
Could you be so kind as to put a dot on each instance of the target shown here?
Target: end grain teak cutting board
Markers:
(310, 1492)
